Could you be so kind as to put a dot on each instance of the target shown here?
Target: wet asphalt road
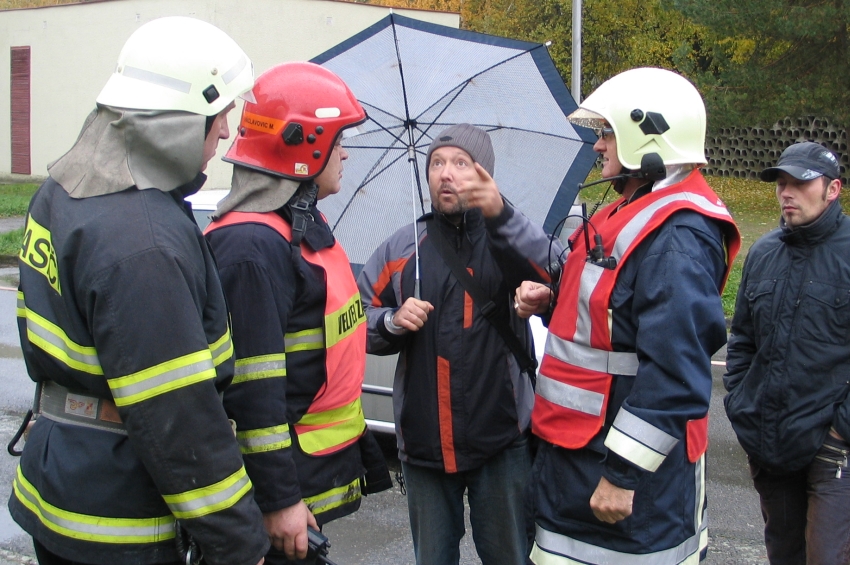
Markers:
(378, 534)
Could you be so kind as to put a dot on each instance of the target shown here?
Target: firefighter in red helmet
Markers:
(298, 328)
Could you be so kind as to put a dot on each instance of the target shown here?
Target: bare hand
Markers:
(413, 314)
(611, 503)
(287, 529)
(532, 298)
(481, 192)
(262, 560)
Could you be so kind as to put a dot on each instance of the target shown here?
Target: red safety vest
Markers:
(335, 417)
(575, 376)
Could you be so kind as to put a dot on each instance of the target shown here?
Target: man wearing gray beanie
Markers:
(462, 393)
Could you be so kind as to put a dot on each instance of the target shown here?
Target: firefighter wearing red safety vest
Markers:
(298, 324)
(623, 393)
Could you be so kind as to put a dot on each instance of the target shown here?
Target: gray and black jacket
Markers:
(459, 395)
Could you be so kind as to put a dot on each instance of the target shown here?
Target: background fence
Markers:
(743, 151)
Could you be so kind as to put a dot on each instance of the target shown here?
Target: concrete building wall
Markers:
(74, 48)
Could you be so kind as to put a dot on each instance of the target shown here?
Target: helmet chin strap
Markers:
(299, 205)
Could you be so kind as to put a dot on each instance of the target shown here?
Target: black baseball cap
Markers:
(804, 161)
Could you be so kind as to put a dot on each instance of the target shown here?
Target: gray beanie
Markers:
(471, 139)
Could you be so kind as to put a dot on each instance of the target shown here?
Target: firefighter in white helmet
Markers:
(623, 393)
(124, 325)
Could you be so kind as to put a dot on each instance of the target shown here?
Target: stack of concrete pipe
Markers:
(742, 152)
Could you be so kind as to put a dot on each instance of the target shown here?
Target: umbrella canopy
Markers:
(415, 79)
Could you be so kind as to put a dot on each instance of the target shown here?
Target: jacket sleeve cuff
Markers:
(620, 473)
(389, 334)
(503, 218)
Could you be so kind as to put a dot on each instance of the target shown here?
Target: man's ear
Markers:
(833, 190)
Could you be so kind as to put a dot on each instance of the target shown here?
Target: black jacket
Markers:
(119, 299)
(459, 396)
(788, 358)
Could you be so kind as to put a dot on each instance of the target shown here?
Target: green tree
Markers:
(776, 58)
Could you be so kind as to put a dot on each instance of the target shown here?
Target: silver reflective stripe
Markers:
(91, 528)
(590, 276)
(644, 432)
(569, 396)
(267, 439)
(157, 79)
(235, 70)
(59, 343)
(264, 367)
(314, 337)
(569, 548)
(611, 362)
(149, 384)
(199, 506)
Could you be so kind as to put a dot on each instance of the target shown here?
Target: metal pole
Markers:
(577, 51)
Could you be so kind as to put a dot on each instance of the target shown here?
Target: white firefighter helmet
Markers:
(651, 111)
(178, 63)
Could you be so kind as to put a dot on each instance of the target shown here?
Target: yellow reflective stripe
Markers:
(55, 342)
(346, 423)
(162, 378)
(334, 498)
(342, 323)
(222, 349)
(264, 439)
(206, 500)
(305, 340)
(260, 367)
(91, 528)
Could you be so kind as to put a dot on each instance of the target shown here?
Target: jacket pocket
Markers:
(760, 296)
(823, 313)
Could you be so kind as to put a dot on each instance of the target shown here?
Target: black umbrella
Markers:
(415, 79)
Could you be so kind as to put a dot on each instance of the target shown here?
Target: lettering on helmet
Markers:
(264, 124)
(37, 251)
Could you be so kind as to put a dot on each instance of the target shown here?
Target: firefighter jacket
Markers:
(120, 303)
(459, 395)
(625, 383)
(788, 358)
(299, 334)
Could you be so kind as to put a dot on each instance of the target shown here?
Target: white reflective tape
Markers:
(234, 71)
(644, 432)
(569, 396)
(556, 549)
(633, 451)
(590, 276)
(157, 79)
(599, 360)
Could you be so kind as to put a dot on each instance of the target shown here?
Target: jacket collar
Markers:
(815, 232)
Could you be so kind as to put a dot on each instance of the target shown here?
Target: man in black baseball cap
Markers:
(788, 343)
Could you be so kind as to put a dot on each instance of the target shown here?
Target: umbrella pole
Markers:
(411, 158)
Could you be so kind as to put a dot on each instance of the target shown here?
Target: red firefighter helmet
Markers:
(292, 121)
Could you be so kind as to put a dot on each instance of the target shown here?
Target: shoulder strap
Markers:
(479, 297)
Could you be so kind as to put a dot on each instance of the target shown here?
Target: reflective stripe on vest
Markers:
(578, 364)
(334, 498)
(335, 418)
(555, 549)
(91, 528)
(207, 500)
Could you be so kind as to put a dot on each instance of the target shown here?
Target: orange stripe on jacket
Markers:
(444, 409)
(385, 277)
(467, 307)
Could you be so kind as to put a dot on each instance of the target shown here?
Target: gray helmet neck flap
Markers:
(253, 191)
(119, 148)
